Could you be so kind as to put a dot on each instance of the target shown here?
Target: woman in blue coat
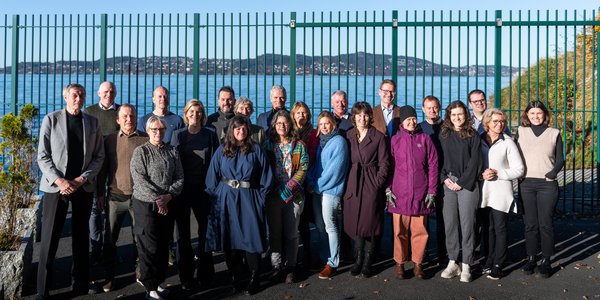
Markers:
(326, 180)
(238, 181)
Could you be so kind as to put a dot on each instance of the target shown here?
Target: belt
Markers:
(236, 184)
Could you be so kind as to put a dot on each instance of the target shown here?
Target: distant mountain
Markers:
(359, 63)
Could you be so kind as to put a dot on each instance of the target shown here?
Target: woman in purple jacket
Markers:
(413, 189)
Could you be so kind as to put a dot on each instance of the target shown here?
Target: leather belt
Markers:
(236, 184)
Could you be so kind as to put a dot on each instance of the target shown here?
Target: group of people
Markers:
(255, 188)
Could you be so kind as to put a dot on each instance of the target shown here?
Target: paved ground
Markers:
(576, 274)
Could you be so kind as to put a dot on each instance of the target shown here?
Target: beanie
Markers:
(406, 112)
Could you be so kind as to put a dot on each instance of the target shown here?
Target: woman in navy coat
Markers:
(238, 180)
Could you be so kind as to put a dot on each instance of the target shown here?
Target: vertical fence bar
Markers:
(14, 70)
(103, 34)
(394, 49)
(196, 63)
(498, 61)
(597, 117)
(292, 94)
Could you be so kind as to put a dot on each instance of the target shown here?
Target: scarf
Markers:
(324, 138)
(302, 133)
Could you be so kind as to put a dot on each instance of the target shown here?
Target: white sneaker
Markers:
(465, 276)
(162, 291)
(153, 295)
(452, 270)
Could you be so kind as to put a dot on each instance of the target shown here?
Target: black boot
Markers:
(253, 284)
(368, 260)
(234, 263)
(360, 253)
(530, 265)
(545, 268)
(253, 260)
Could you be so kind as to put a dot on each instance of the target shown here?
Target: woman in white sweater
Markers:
(502, 164)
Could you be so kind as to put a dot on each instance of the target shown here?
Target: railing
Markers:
(521, 56)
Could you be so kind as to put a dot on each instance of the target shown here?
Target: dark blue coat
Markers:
(237, 218)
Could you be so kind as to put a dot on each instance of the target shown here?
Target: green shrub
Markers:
(18, 174)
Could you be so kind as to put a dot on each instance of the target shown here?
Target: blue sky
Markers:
(204, 6)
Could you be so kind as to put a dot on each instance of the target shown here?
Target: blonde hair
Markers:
(190, 104)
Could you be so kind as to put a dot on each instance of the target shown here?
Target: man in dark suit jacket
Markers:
(278, 96)
(386, 115)
(70, 155)
(339, 107)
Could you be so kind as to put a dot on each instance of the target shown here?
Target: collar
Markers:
(112, 107)
(344, 116)
(387, 109)
(134, 133)
(439, 121)
(484, 137)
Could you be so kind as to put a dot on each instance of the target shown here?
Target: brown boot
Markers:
(400, 271)
(419, 271)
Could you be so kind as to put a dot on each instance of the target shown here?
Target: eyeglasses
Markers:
(284, 124)
(480, 101)
(387, 91)
(162, 129)
(496, 122)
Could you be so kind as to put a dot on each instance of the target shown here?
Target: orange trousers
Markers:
(418, 237)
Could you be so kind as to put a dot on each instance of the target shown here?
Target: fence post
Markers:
(14, 70)
(597, 121)
(395, 48)
(498, 61)
(292, 58)
(103, 37)
(196, 63)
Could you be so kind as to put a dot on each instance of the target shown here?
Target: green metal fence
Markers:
(515, 56)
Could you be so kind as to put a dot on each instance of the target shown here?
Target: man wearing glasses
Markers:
(478, 104)
(386, 116)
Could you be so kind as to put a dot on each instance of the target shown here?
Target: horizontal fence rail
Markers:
(514, 56)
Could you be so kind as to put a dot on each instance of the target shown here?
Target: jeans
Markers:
(95, 224)
(328, 218)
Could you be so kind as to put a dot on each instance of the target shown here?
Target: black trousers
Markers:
(440, 229)
(304, 230)
(539, 199)
(152, 232)
(193, 199)
(497, 237)
(54, 213)
(117, 208)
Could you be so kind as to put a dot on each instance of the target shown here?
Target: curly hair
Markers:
(273, 135)
(466, 130)
(231, 145)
